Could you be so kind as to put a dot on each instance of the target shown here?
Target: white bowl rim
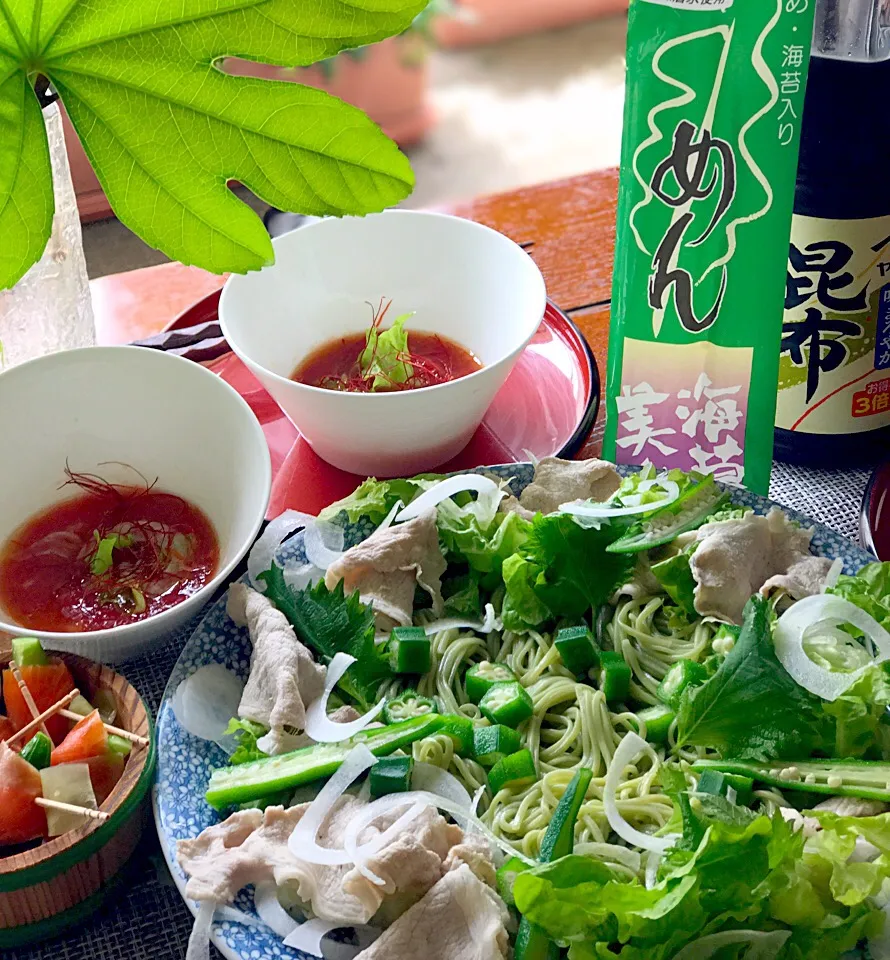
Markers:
(382, 396)
(223, 573)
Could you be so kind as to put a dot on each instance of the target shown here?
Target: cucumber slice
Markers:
(38, 751)
(27, 652)
(686, 513)
(81, 706)
(865, 779)
(119, 745)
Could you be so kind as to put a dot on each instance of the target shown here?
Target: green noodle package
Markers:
(711, 131)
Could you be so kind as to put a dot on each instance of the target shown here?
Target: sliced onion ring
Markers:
(489, 492)
(488, 625)
(834, 574)
(308, 936)
(389, 519)
(319, 725)
(653, 862)
(199, 939)
(366, 816)
(323, 543)
(361, 854)
(206, 700)
(628, 750)
(432, 779)
(263, 551)
(303, 842)
(584, 508)
(275, 917)
(306, 575)
(224, 914)
(828, 611)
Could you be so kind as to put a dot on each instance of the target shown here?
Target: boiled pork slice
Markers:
(386, 567)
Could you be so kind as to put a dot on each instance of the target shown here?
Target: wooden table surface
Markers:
(568, 226)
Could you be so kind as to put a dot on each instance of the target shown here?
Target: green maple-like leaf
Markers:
(165, 129)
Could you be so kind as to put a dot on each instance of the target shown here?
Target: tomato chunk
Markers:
(48, 684)
(7, 728)
(105, 771)
(87, 738)
(20, 817)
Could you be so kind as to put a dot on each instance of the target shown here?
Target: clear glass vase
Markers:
(50, 309)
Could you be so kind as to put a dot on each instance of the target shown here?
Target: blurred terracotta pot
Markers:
(388, 80)
(485, 21)
(91, 200)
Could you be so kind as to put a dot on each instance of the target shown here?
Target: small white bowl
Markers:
(165, 416)
(462, 280)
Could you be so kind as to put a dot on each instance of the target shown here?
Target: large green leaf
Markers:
(26, 190)
(166, 129)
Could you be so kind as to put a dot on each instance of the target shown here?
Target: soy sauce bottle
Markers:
(834, 375)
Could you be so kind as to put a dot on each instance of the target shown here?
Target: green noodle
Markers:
(572, 724)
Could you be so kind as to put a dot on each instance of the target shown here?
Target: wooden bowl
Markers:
(47, 888)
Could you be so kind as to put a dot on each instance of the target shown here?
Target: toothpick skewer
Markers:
(26, 695)
(86, 812)
(38, 721)
(60, 708)
(117, 731)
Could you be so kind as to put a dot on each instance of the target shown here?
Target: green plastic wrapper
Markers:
(715, 93)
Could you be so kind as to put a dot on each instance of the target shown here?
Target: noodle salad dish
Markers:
(537, 711)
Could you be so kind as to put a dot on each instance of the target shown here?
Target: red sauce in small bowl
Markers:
(434, 359)
(164, 550)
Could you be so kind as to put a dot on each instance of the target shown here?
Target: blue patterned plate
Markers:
(185, 763)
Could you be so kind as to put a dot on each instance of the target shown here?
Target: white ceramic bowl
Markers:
(165, 416)
(463, 280)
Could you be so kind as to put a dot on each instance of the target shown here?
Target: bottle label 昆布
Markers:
(834, 368)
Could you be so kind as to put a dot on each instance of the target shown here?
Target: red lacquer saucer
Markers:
(546, 408)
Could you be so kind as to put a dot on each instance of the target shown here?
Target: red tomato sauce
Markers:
(434, 358)
(167, 550)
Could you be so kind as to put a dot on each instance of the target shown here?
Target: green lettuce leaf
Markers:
(675, 577)
(837, 936)
(482, 543)
(523, 608)
(793, 887)
(630, 485)
(246, 732)
(564, 898)
(374, 499)
(870, 590)
(123, 69)
(577, 898)
(328, 622)
(857, 716)
(731, 859)
(851, 883)
(751, 708)
(383, 353)
(876, 830)
(747, 873)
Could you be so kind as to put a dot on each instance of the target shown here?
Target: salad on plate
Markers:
(608, 717)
